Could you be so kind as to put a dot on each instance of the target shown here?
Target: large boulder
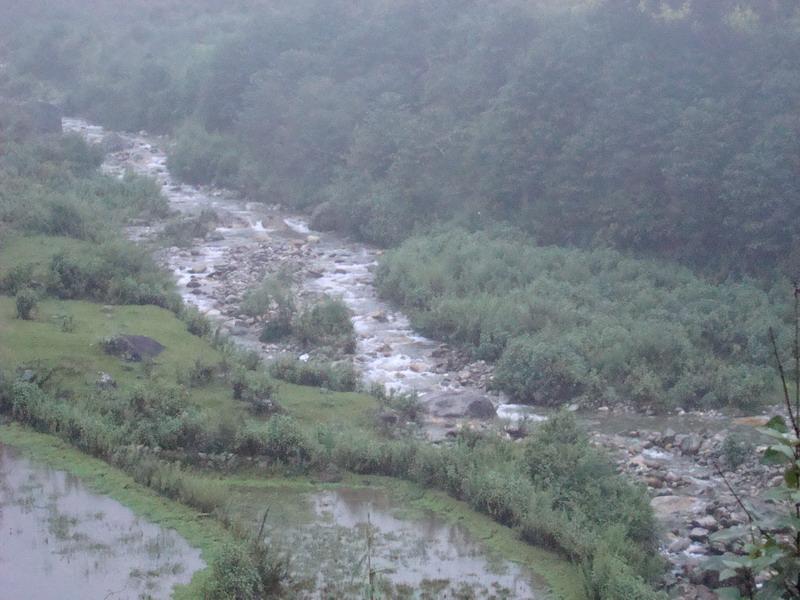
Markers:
(455, 405)
(134, 348)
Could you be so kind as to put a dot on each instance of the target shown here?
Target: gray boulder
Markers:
(454, 405)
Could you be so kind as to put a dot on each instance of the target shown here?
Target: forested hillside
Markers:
(663, 128)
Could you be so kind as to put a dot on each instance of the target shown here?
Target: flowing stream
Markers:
(388, 352)
(59, 540)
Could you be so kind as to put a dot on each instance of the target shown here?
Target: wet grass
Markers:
(36, 250)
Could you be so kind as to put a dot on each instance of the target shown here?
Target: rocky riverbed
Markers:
(673, 456)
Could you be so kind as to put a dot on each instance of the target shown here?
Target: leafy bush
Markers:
(340, 377)
(183, 231)
(202, 157)
(200, 373)
(234, 576)
(280, 439)
(18, 278)
(275, 296)
(26, 301)
(196, 322)
(326, 323)
(115, 272)
(736, 450)
(255, 388)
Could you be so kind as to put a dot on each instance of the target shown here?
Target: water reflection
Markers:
(58, 540)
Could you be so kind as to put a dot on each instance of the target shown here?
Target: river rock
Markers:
(691, 444)
(481, 408)
(105, 381)
(326, 217)
(460, 404)
(698, 534)
(678, 545)
(706, 522)
(667, 506)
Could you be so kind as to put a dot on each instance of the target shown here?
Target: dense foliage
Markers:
(665, 128)
(51, 187)
(593, 326)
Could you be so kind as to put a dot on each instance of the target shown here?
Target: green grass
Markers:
(37, 250)
(200, 531)
(77, 357)
(313, 405)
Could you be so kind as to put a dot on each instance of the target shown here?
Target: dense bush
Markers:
(51, 186)
(233, 576)
(116, 272)
(595, 326)
(18, 277)
(26, 301)
(201, 157)
(274, 296)
(325, 323)
(255, 388)
(340, 377)
(183, 231)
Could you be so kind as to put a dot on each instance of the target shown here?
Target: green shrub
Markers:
(534, 372)
(26, 301)
(182, 231)
(200, 373)
(18, 278)
(340, 377)
(196, 322)
(275, 293)
(279, 439)
(202, 157)
(234, 576)
(736, 450)
(114, 272)
(325, 323)
(255, 388)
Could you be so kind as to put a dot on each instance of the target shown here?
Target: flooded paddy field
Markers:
(336, 535)
(60, 540)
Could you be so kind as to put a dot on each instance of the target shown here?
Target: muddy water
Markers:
(58, 540)
(336, 536)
